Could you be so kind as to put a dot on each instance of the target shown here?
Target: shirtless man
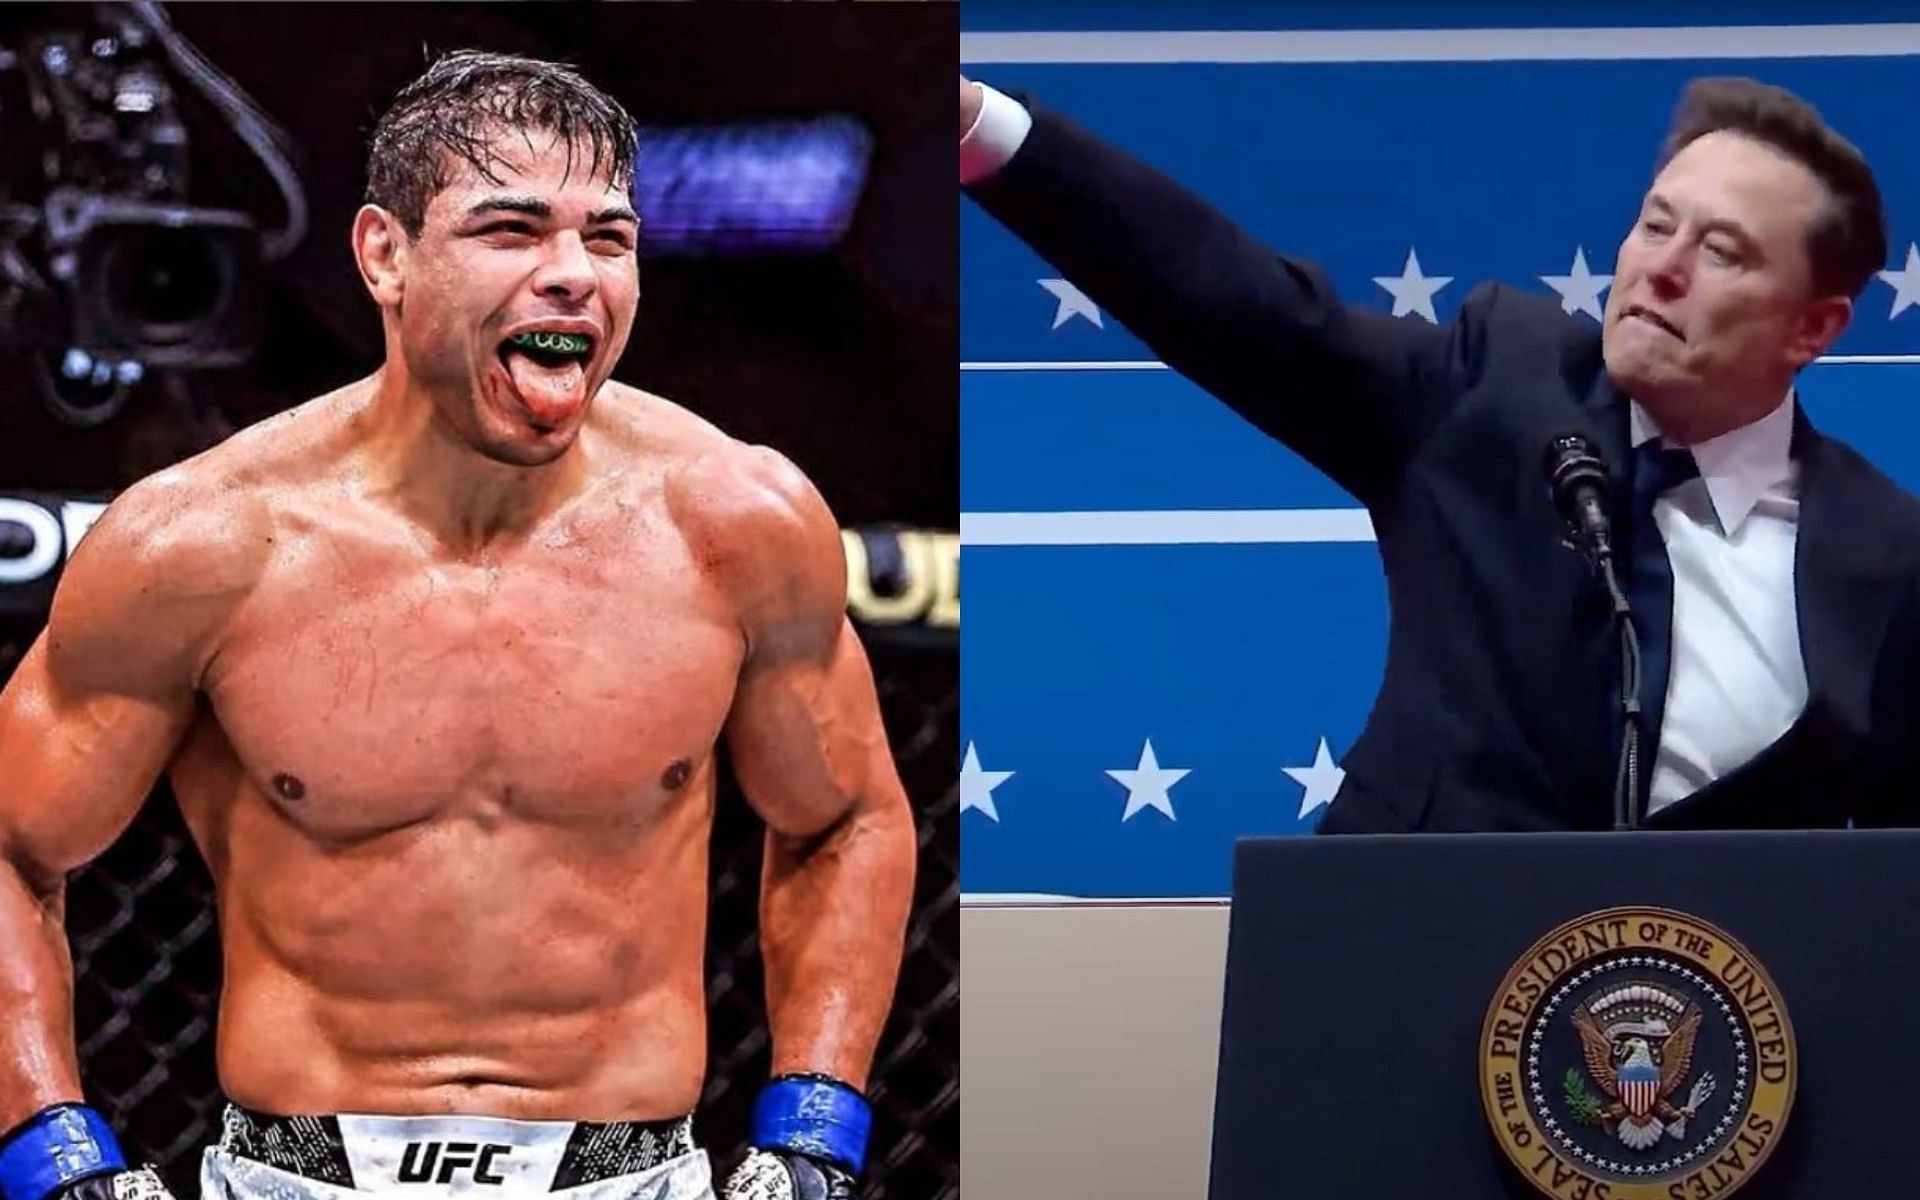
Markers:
(437, 664)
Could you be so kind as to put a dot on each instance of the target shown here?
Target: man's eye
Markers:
(519, 227)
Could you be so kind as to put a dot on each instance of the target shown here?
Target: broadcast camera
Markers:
(107, 268)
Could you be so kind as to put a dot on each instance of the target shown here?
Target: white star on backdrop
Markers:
(1073, 303)
(1321, 780)
(1906, 283)
(1147, 784)
(976, 785)
(1579, 290)
(1413, 292)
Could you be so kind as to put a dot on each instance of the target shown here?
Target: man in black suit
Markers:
(1773, 572)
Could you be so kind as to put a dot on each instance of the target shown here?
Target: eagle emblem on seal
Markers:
(1637, 1044)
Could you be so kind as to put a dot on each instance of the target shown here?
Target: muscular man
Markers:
(437, 664)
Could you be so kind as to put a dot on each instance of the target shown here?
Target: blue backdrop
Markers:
(1142, 567)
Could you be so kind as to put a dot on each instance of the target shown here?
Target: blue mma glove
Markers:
(809, 1142)
(67, 1152)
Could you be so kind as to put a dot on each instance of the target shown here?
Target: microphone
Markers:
(1577, 479)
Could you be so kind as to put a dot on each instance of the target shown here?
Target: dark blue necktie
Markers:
(1656, 471)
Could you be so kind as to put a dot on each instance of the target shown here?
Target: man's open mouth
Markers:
(547, 369)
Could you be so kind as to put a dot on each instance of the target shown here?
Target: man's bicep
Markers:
(806, 738)
(96, 708)
(75, 763)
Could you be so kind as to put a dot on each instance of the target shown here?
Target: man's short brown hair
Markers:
(1847, 241)
(466, 99)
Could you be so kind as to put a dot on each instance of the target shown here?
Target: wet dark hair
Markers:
(1847, 240)
(467, 99)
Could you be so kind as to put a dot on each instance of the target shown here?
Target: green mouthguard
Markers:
(553, 343)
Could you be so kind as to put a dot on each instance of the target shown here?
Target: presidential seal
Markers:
(1637, 1054)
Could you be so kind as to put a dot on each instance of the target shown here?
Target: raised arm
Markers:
(811, 754)
(1351, 390)
(87, 723)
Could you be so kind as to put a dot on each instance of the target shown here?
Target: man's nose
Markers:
(1670, 268)
(566, 273)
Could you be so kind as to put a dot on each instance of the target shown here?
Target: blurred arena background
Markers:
(176, 185)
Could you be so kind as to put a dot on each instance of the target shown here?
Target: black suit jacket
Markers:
(1499, 702)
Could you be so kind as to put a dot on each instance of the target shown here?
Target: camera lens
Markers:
(159, 284)
(164, 282)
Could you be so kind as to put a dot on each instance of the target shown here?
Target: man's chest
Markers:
(561, 682)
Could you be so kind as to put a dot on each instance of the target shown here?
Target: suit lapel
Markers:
(1842, 591)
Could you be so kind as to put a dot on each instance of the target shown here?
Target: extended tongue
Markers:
(551, 394)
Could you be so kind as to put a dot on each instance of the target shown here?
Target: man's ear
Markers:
(1821, 323)
(380, 248)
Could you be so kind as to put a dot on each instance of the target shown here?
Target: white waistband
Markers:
(389, 1151)
(448, 1155)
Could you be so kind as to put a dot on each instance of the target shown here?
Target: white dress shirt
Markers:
(1737, 681)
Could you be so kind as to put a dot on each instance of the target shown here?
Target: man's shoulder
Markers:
(1874, 496)
(747, 511)
(158, 577)
(1502, 306)
(293, 445)
(201, 523)
(242, 475)
(1878, 519)
(1502, 330)
(205, 527)
(713, 480)
(749, 499)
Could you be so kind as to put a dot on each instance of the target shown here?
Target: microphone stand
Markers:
(1626, 779)
(1577, 480)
